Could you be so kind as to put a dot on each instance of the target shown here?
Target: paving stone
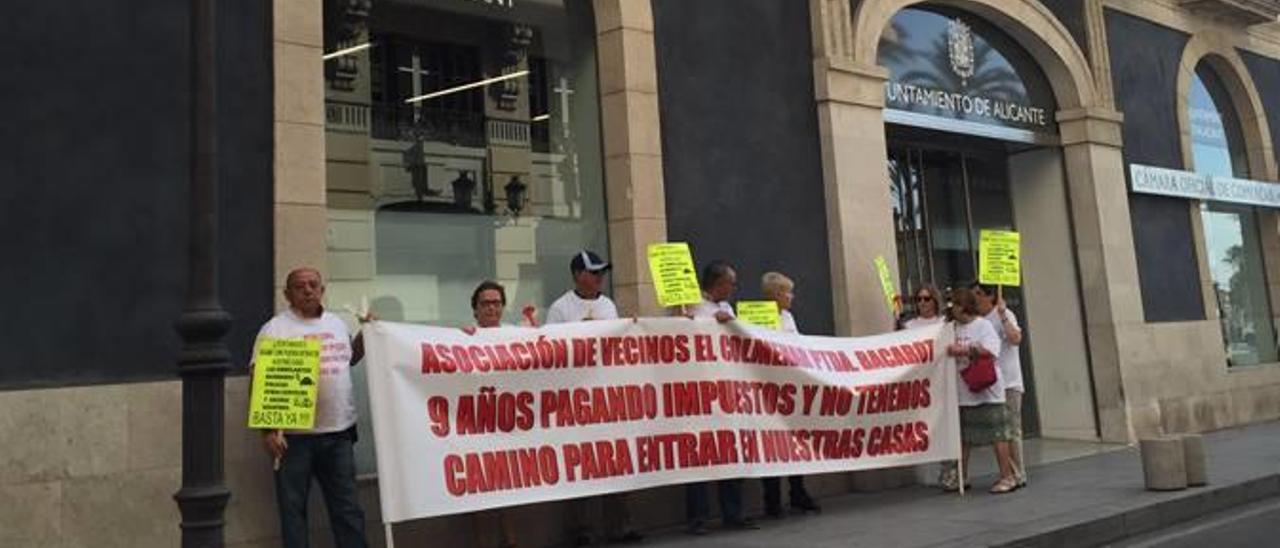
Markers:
(1090, 500)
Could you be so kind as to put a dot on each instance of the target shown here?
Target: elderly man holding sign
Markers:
(719, 282)
(324, 450)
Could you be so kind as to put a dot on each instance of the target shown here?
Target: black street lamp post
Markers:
(204, 359)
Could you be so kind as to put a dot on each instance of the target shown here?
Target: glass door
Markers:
(942, 197)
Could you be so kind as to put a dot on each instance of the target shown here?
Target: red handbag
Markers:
(981, 373)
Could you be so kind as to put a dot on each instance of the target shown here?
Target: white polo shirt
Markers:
(788, 322)
(708, 308)
(572, 308)
(1010, 362)
(335, 397)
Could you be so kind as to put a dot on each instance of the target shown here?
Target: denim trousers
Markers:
(331, 460)
(697, 504)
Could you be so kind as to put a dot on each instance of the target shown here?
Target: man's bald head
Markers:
(301, 271)
(304, 289)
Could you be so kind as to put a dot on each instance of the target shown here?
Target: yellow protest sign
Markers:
(886, 285)
(674, 279)
(285, 373)
(761, 313)
(998, 257)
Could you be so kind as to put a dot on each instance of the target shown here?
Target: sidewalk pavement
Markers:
(1088, 501)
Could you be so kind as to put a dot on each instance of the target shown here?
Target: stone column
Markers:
(1098, 194)
(637, 209)
(300, 211)
(850, 99)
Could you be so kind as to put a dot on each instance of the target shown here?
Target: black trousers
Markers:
(773, 493)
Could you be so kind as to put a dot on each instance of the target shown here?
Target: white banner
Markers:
(517, 415)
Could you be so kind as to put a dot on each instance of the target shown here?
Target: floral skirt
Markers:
(985, 424)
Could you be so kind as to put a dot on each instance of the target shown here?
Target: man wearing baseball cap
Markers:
(583, 303)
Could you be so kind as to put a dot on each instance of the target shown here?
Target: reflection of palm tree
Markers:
(1236, 285)
(893, 44)
(990, 79)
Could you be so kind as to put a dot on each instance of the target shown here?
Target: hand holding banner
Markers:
(999, 257)
(761, 313)
(285, 373)
(674, 278)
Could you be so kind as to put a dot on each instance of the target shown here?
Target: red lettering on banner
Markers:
(597, 405)
(800, 446)
(517, 356)
(644, 350)
(686, 450)
(915, 353)
(583, 354)
(694, 398)
(489, 412)
(836, 401)
(596, 460)
(810, 445)
(898, 439)
(702, 348)
(438, 414)
(893, 397)
(489, 471)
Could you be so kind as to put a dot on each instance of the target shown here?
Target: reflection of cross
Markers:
(563, 90)
(416, 74)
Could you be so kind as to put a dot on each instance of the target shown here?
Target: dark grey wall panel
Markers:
(93, 201)
(1071, 14)
(1266, 75)
(742, 164)
(1144, 68)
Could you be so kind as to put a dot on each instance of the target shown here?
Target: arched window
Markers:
(1233, 248)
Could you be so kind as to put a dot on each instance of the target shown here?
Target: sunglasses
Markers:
(924, 299)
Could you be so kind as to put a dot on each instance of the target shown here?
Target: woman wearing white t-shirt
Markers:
(487, 303)
(928, 307)
(983, 416)
(779, 288)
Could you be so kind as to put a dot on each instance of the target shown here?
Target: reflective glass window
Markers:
(1233, 246)
(462, 143)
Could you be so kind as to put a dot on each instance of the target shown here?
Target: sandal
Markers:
(1005, 485)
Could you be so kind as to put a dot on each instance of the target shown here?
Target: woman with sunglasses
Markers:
(928, 302)
(928, 308)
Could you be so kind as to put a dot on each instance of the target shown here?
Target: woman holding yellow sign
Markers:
(780, 289)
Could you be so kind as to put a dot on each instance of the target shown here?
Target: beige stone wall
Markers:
(97, 466)
(632, 140)
(1180, 380)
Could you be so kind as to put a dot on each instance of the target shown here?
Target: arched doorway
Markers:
(973, 146)
(1078, 200)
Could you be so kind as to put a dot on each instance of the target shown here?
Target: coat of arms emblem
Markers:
(960, 49)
